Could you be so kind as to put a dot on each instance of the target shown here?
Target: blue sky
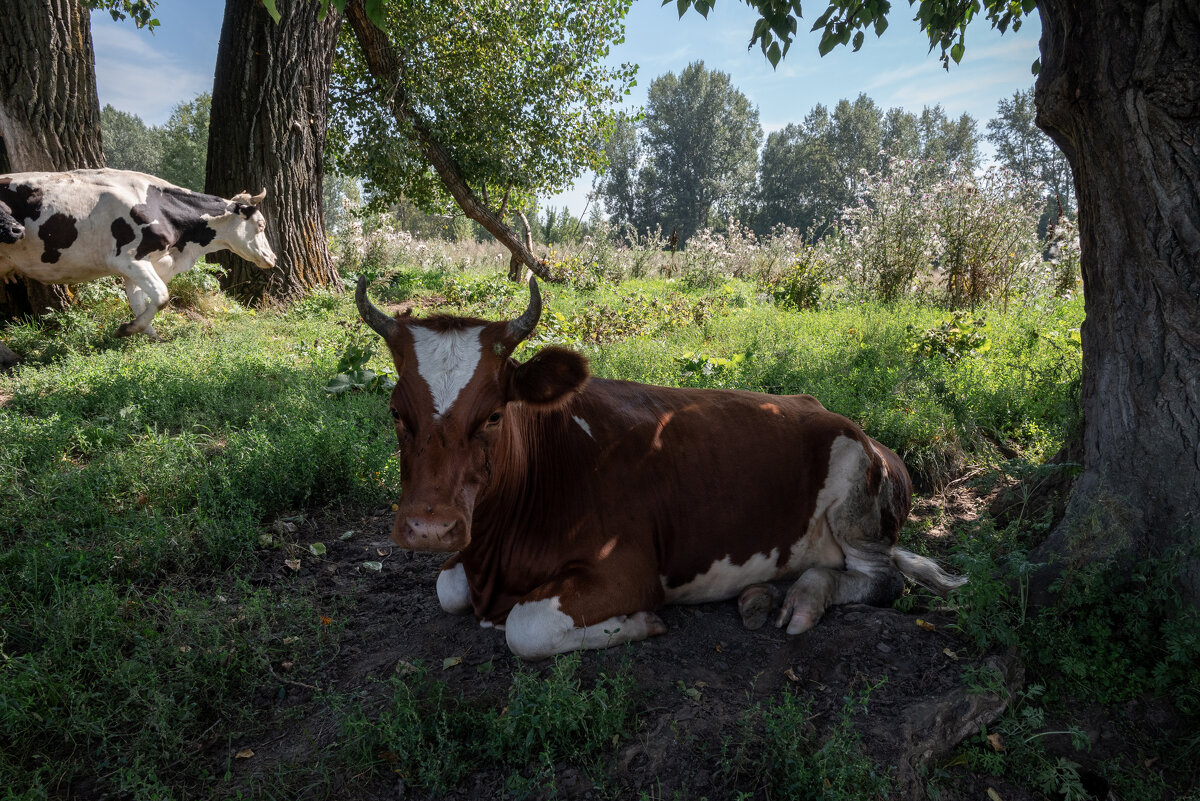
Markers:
(148, 73)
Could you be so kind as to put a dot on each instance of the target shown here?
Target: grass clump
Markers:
(433, 738)
(778, 752)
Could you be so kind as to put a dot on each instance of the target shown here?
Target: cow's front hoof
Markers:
(125, 330)
(755, 605)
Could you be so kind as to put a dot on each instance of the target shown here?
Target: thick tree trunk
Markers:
(49, 112)
(1118, 92)
(267, 129)
(382, 62)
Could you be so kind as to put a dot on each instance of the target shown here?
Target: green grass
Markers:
(434, 738)
(136, 478)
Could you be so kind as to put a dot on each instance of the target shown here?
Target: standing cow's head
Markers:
(244, 230)
(10, 229)
(458, 405)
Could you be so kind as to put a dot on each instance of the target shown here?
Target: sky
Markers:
(148, 73)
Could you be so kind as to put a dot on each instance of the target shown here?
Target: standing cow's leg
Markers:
(142, 287)
(138, 302)
(581, 611)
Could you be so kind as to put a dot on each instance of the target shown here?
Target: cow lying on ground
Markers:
(10, 229)
(87, 224)
(577, 507)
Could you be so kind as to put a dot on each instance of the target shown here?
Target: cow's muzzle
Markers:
(11, 233)
(429, 534)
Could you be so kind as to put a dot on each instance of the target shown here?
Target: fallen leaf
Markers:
(791, 674)
(451, 661)
(376, 566)
(388, 756)
(326, 620)
(995, 742)
(718, 648)
(317, 549)
(693, 693)
(950, 654)
(925, 624)
(294, 564)
(993, 795)
(290, 640)
(395, 507)
(347, 535)
(485, 667)
(286, 666)
(245, 753)
(380, 552)
(405, 668)
(265, 539)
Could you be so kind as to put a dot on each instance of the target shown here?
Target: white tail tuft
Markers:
(926, 572)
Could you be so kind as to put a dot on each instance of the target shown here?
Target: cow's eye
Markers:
(494, 419)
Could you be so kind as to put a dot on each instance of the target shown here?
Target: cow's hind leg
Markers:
(575, 613)
(869, 575)
(147, 294)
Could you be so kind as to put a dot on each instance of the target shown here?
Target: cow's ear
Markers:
(549, 378)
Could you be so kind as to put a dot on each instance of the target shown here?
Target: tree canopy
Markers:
(697, 156)
(530, 126)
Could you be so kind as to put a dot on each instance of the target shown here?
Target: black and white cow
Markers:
(10, 229)
(86, 224)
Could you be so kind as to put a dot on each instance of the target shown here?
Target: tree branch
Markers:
(381, 60)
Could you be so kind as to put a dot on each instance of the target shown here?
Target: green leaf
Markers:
(1037, 66)
(374, 567)
(375, 13)
(881, 24)
(773, 54)
(683, 6)
(858, 41)
(956, 52)
(271, 9)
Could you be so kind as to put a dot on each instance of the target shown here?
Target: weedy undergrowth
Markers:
(433, 737)
(777, 749)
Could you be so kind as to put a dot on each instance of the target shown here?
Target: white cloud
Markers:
(136, 76)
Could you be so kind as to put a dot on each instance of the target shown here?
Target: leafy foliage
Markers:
(812, 170)
(846, 21)
(695, 158)
(176, 151)
(528, 128)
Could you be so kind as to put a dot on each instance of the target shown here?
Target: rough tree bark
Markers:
(1118, 92)
(267, 129)
(381, 60)
(49, 112)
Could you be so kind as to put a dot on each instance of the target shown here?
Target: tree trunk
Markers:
(49, 112)
(267, 129)
(1118, 92)
(381, 61)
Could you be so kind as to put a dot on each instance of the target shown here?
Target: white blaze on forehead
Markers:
(446, 360)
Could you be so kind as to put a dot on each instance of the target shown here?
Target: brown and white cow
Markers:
(86, 224)
(576, 507)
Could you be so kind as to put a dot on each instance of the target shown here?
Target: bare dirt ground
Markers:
(696, 681)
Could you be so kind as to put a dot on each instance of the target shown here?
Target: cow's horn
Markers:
(257, 199)
(523, 326)
(380, 322)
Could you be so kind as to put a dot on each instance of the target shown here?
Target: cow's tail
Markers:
(926, 572)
